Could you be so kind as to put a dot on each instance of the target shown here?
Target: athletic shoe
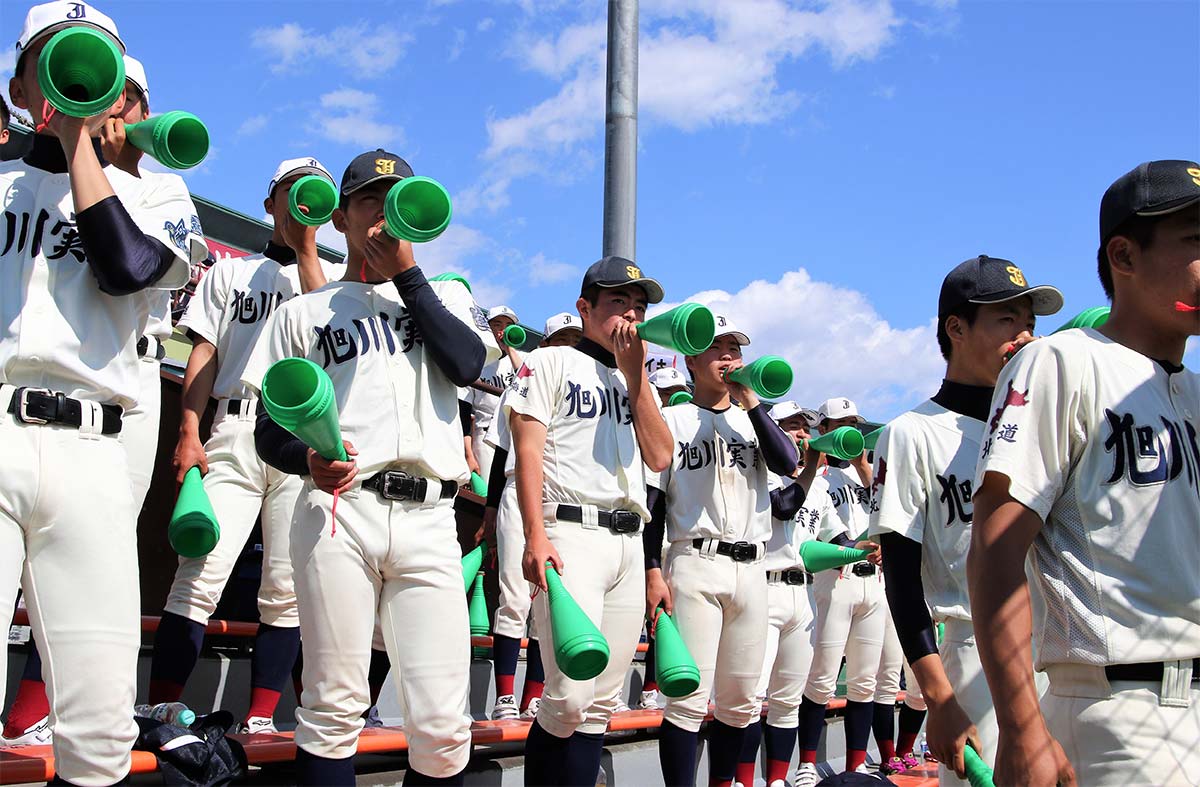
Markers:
(861, 769)
(372, 717)
(778, 783)
(894, 765)
(649, 700)
(37, 734)
(929, 757)
(910, 761)
(531, 710)
(506, 709)
(621, 707)
(256, 725)
(806, 775)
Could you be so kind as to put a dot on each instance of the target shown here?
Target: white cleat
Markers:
(649, 700)
(38, 734)
(257, 725)
(778, 783)
(531, 710)
(506, 709)
(372, 718)
(621, 707)
(806, 775)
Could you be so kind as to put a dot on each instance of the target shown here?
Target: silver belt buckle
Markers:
(23, 405)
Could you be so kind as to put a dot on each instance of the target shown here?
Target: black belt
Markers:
(395, 485)
(617, 521)
(235, 408)
(791, 576)
(39, 406)
(143, 346)
(863, 569)
(1150, 672)
(738, 551)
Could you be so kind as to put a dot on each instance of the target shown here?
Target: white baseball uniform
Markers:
(592, 460)
(399, 558)
(515, 600)
(483, 405)
(62, 333)
(230, 311)
(1101, 443)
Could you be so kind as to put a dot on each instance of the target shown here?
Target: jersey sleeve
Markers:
(1033, 429)
(277, 341)
(497, 434)
(206, 308)
(458, 301)
(165, 212)
(536, 389)
(662, 480)
(897, 494)
(829, 523)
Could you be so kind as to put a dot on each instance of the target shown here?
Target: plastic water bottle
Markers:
(923, 747)
(168, 712)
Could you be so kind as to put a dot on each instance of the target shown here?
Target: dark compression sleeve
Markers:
(454, 347)
(278, 447)
(123, 258)
(786, 502)
(906, 595)
(777, 448)
(656, 528)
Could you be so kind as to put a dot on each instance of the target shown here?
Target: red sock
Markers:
(650, 685)
(808, 756)
(533, 690)
(777, 770)
(855, 758)
(905, 743)
(165, 691)
(262, 703)
(29, 707)
(504, 684)
(745, 773)
(887, 750)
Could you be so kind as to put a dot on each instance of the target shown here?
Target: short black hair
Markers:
(591, 294)
(966, 312)
(5, 115)
(1140, 230)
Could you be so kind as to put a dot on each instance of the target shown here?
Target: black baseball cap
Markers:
(985, 279)
(373, 166)
(1154, 188)
(615, 271)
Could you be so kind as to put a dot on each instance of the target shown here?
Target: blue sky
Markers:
(814, 169)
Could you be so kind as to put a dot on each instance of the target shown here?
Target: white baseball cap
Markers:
(502, 311)
(836, 408)
(135, 72)
(725, 327)
(562, 321)
(48, 18)
(785, 410)
(667, 377)
(297, 166)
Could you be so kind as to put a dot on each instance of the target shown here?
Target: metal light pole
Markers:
(620, 131)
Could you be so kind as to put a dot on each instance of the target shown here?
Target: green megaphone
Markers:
(417, 209)
(679, 397)
(580, 650)
(315, 193)
(770, 376)
(515, 336)
(299, 396)
(449, 276)
(678, 675)
(819, 556)
(978, 772)
(688, 328)
(477, 614)
(471, 563)
(178, 140)
(194, 530)
(81, 72)
(478, 485)
(1088, 318)
(843, 443)
(871, 440)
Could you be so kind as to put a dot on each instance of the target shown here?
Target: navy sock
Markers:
(413, 778)
(778, 741)
(534, 670)
(812, 724)
(545, 757)
(314, 771)
(33, 664)
(377, 673)
(677, 755)
(724, 747)
(750, 741)
(505, 651)
(858, 725)
(176, 648)
(911, 720)
(584, 752)
(275, 650)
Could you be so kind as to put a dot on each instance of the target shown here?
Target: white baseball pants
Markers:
(791, 626)
(139, 430)
(512, 613)
(850, 622)
(891, 662)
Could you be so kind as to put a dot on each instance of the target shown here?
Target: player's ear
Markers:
(269, 206)
(339, 220)
(956, 327)
(1122, 254)
(584, 308)
(17, 93)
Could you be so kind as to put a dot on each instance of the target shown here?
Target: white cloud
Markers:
(547, 271)
(836, 341)
(485, 24)
(252, 125)
(451, 252)
(8, 63)
(365, 49)
(349, 116)
(459, 43)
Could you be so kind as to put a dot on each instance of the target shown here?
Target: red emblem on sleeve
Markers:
(524, 372)
(1014, 398)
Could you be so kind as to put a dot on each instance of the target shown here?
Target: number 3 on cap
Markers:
(1015, 275)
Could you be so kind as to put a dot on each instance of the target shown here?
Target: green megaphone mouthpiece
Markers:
(770, 376)
(676, 670)
(178, 140)
(315, 193)
(81, 72)
(299, 396)
(845, 443)
(193, 530)
(417, 209)
(515, 336)
(688, 328)
(580, 650)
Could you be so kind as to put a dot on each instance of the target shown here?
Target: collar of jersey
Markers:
(593, 350)
(973, 401)
(47, 154)
(278, 252)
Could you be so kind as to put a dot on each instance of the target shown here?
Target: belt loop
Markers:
(91, 420)
(549, 514)
(1176, 684)
(590, 516)
(433, 494)
(708, 549)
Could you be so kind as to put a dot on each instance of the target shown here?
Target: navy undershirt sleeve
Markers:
(842, 540)
(454, 347)
(123, 259)
(786, 502)
(778, 450)
(906, 595)
(656, 528)
(465, 412)
(496, 478)
(278, 447)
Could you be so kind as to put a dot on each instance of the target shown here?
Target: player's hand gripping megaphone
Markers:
(178, 140)
(81, 72)
(299, 396)
(417, 209)
(194, 530)
(688, 328)
(580, 650)
(770, 376)
(317, 195)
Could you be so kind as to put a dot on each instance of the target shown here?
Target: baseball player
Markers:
(921, 499)
(498, 375)
(668, 381)
(715, 504)
(562, 330)
(790, 607)
(224, 321)
(1089, 483)
(396, 348)
(583, 420)
(86, 240)
(850, 607)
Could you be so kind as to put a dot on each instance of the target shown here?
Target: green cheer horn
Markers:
(1088, 318)
(515, 336)
(679, 397)
(843, 443)
(478, 485)
(871, 440)
(178, 140)
(678, 675)
(770, 376)
(580, 650)
(315, 193)
(978, 772)
(478, 608)
(819, 556)
(194, 530)
(417, 209)
(299, 396)
(449, 276)
(472, 562)
(688, 328)
(81, 72)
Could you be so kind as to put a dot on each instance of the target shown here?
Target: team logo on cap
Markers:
(78, 11)
(633, 271)
(1015, 275)
(1195, 173)
(385, 166)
